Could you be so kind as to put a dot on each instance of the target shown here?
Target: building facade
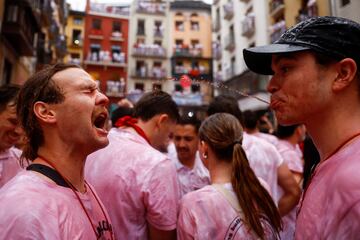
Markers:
(32, 34)
(106, 46)
(238, 25)
(75, 29)
(149, 51)
(191, 54)
(346, 8)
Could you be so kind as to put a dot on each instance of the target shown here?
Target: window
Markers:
(7, 71)
(96, 23)
(157, 42)
(95, 52)
(344, 2)
(139, 86)
(178, 88)
(195, 25)
(116, 26)
(117, 55)
(75, 58)
(76, 37)
(141, 70)
(12, 13)
(195, 88)
(179, 26)
(156, 86)
(77, 21)
(158, 31)
(141, 27)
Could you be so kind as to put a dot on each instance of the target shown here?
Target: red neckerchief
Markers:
(131, 122)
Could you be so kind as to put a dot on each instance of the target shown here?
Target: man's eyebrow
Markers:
(278, 58)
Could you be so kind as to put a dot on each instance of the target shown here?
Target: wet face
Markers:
(300, 88)
(10, 130)
(81, 118)
(186, 142)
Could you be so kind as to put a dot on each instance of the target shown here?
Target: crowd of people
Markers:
(157, 174)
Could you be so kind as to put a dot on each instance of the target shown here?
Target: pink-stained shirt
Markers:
(292, 156)
(208, 214)
(264, 159)
(137, 184)
(267, 137)
(35, 208)
(9, 164)
(191, 179)
(331, 205)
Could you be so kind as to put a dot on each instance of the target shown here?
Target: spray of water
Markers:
(215, 85)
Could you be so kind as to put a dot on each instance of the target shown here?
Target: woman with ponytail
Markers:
(235, 205)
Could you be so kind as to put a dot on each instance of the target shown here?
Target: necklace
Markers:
(314, 172)
(78, 198)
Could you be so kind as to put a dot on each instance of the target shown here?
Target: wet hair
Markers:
(286, 131)
(250, 119)
(225, 104)
(223, 133)
(154, 103)
(8, 95)
(39, 87)
(325, 60)
(186, 120)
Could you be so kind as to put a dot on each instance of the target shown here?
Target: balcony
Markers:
(218, 77)
(217, 52)
(216, 26)
(152, 50)
(96, 34)
(19, 27)
(156, 73)
(104, 8)
(230, 43)
(115, 88)
(104, 58)
(46, 12)
(158, 33)
(229, 10)
(54, 30)
(277, 8)
(248, 25)
(185, 51)
(60, 47)
(276, 30)
(151, 7)
(116, 37)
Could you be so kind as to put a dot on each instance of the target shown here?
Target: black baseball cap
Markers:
(335, 37)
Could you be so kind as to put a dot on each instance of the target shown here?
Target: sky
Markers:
(80, 4)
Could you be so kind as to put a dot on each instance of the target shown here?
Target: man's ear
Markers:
(44, 112)
(346, 71)
(162, 118)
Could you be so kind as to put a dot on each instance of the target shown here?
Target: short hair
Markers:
(187, 120)
(119, 113)
(154, 103)
(225, 104)
(8, 95)
(250, 119)
(286, 131)
(39, 87)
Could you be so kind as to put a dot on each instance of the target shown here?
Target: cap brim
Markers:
(258, 59)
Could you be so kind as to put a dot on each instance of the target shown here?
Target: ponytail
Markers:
(255, 202)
